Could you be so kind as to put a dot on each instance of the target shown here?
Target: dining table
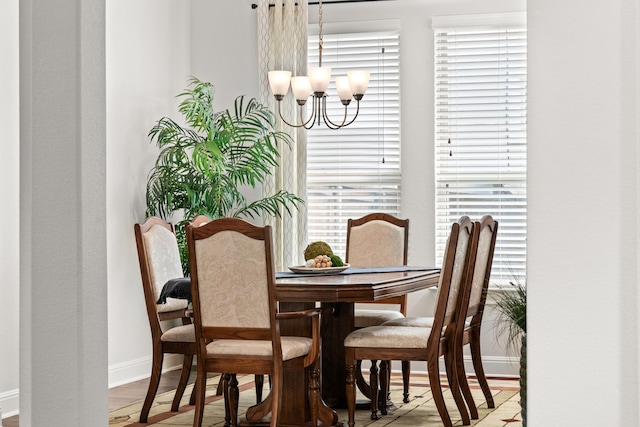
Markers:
(336, 291)
(337, 295)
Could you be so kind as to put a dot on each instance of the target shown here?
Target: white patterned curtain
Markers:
(282, 45)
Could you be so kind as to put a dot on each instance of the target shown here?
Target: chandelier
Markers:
(315, 85)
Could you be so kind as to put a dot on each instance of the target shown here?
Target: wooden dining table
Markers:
(337, 295)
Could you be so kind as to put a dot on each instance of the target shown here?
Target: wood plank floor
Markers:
(128, 393)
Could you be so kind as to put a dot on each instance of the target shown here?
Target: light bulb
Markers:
(279, 82)
(319, 77)
(359, 82)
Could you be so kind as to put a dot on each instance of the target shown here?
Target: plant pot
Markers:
(523, 380)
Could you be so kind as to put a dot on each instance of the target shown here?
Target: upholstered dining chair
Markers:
(421, 344)
(159, 262)
(472, 304)
(199, 221)
(378, 240)
(237, 321)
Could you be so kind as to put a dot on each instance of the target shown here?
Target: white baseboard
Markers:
(10, 403)
(137, 369)
(494, 366)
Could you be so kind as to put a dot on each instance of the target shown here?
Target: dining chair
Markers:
(237, 320)
(378, 240)
(472, 304)
(199, 221)
(159, 262)
(420, 344)
(471, 328)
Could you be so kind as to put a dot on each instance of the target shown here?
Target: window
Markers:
(355, 170)
(481, 135)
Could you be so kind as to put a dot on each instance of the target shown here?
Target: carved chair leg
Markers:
(373, 383)
(384, 385)
(351, 394)
(154, 380)
(227, 407)
(234, 395)
(259, 379)
(360, 381)
(314, 392)
(406, 372)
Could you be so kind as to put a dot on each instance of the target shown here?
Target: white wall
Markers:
(584, 121)
(9, 214)
(148, 64)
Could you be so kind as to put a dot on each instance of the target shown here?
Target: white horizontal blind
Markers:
(355, 170)
(481, 137)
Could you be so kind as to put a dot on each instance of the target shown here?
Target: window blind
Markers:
(355, 170)
(481, 137)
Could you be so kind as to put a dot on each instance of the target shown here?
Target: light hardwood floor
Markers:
(128, 393)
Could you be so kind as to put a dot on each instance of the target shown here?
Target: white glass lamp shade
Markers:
(301, 87)
(319, 77)
(343, 88)
(279, 82)
(359, 81)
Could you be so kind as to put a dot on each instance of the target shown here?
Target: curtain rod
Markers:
(255, 6)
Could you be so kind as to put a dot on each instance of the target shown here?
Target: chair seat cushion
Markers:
(420, 322)
(388, 337)
(184, 333)
(416, 322)
(370, 317)
(172, 304)
(292, 347)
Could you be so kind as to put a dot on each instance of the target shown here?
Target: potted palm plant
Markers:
(202, 166)
(512, 307)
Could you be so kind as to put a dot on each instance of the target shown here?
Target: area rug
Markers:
(420, 411)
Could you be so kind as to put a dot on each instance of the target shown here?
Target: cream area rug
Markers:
(420, 411)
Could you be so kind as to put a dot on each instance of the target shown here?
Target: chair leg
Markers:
(154, 380)
(406, 372)
(384, 385)
(436, 391)
(227, 408)
(351, 394)
(463, 383)
(276, 391)
(314, 392)
(360, 381)
(476, 358)
(200, 385)
(259, 379)
(452, 366)
(234, 396)
(373, 383)
(182, 384)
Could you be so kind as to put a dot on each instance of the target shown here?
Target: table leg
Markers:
(334, 329)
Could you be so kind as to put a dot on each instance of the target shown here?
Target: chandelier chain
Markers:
(320, 41)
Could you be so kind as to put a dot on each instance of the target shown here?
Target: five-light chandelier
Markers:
(315, 84)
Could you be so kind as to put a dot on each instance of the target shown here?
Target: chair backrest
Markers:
(159, 260)
(455, 275)
(232, 280)
(377, 240)
(487, 233)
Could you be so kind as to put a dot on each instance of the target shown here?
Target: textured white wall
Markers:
(148, 64)
(9, 214)
(583, 214)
